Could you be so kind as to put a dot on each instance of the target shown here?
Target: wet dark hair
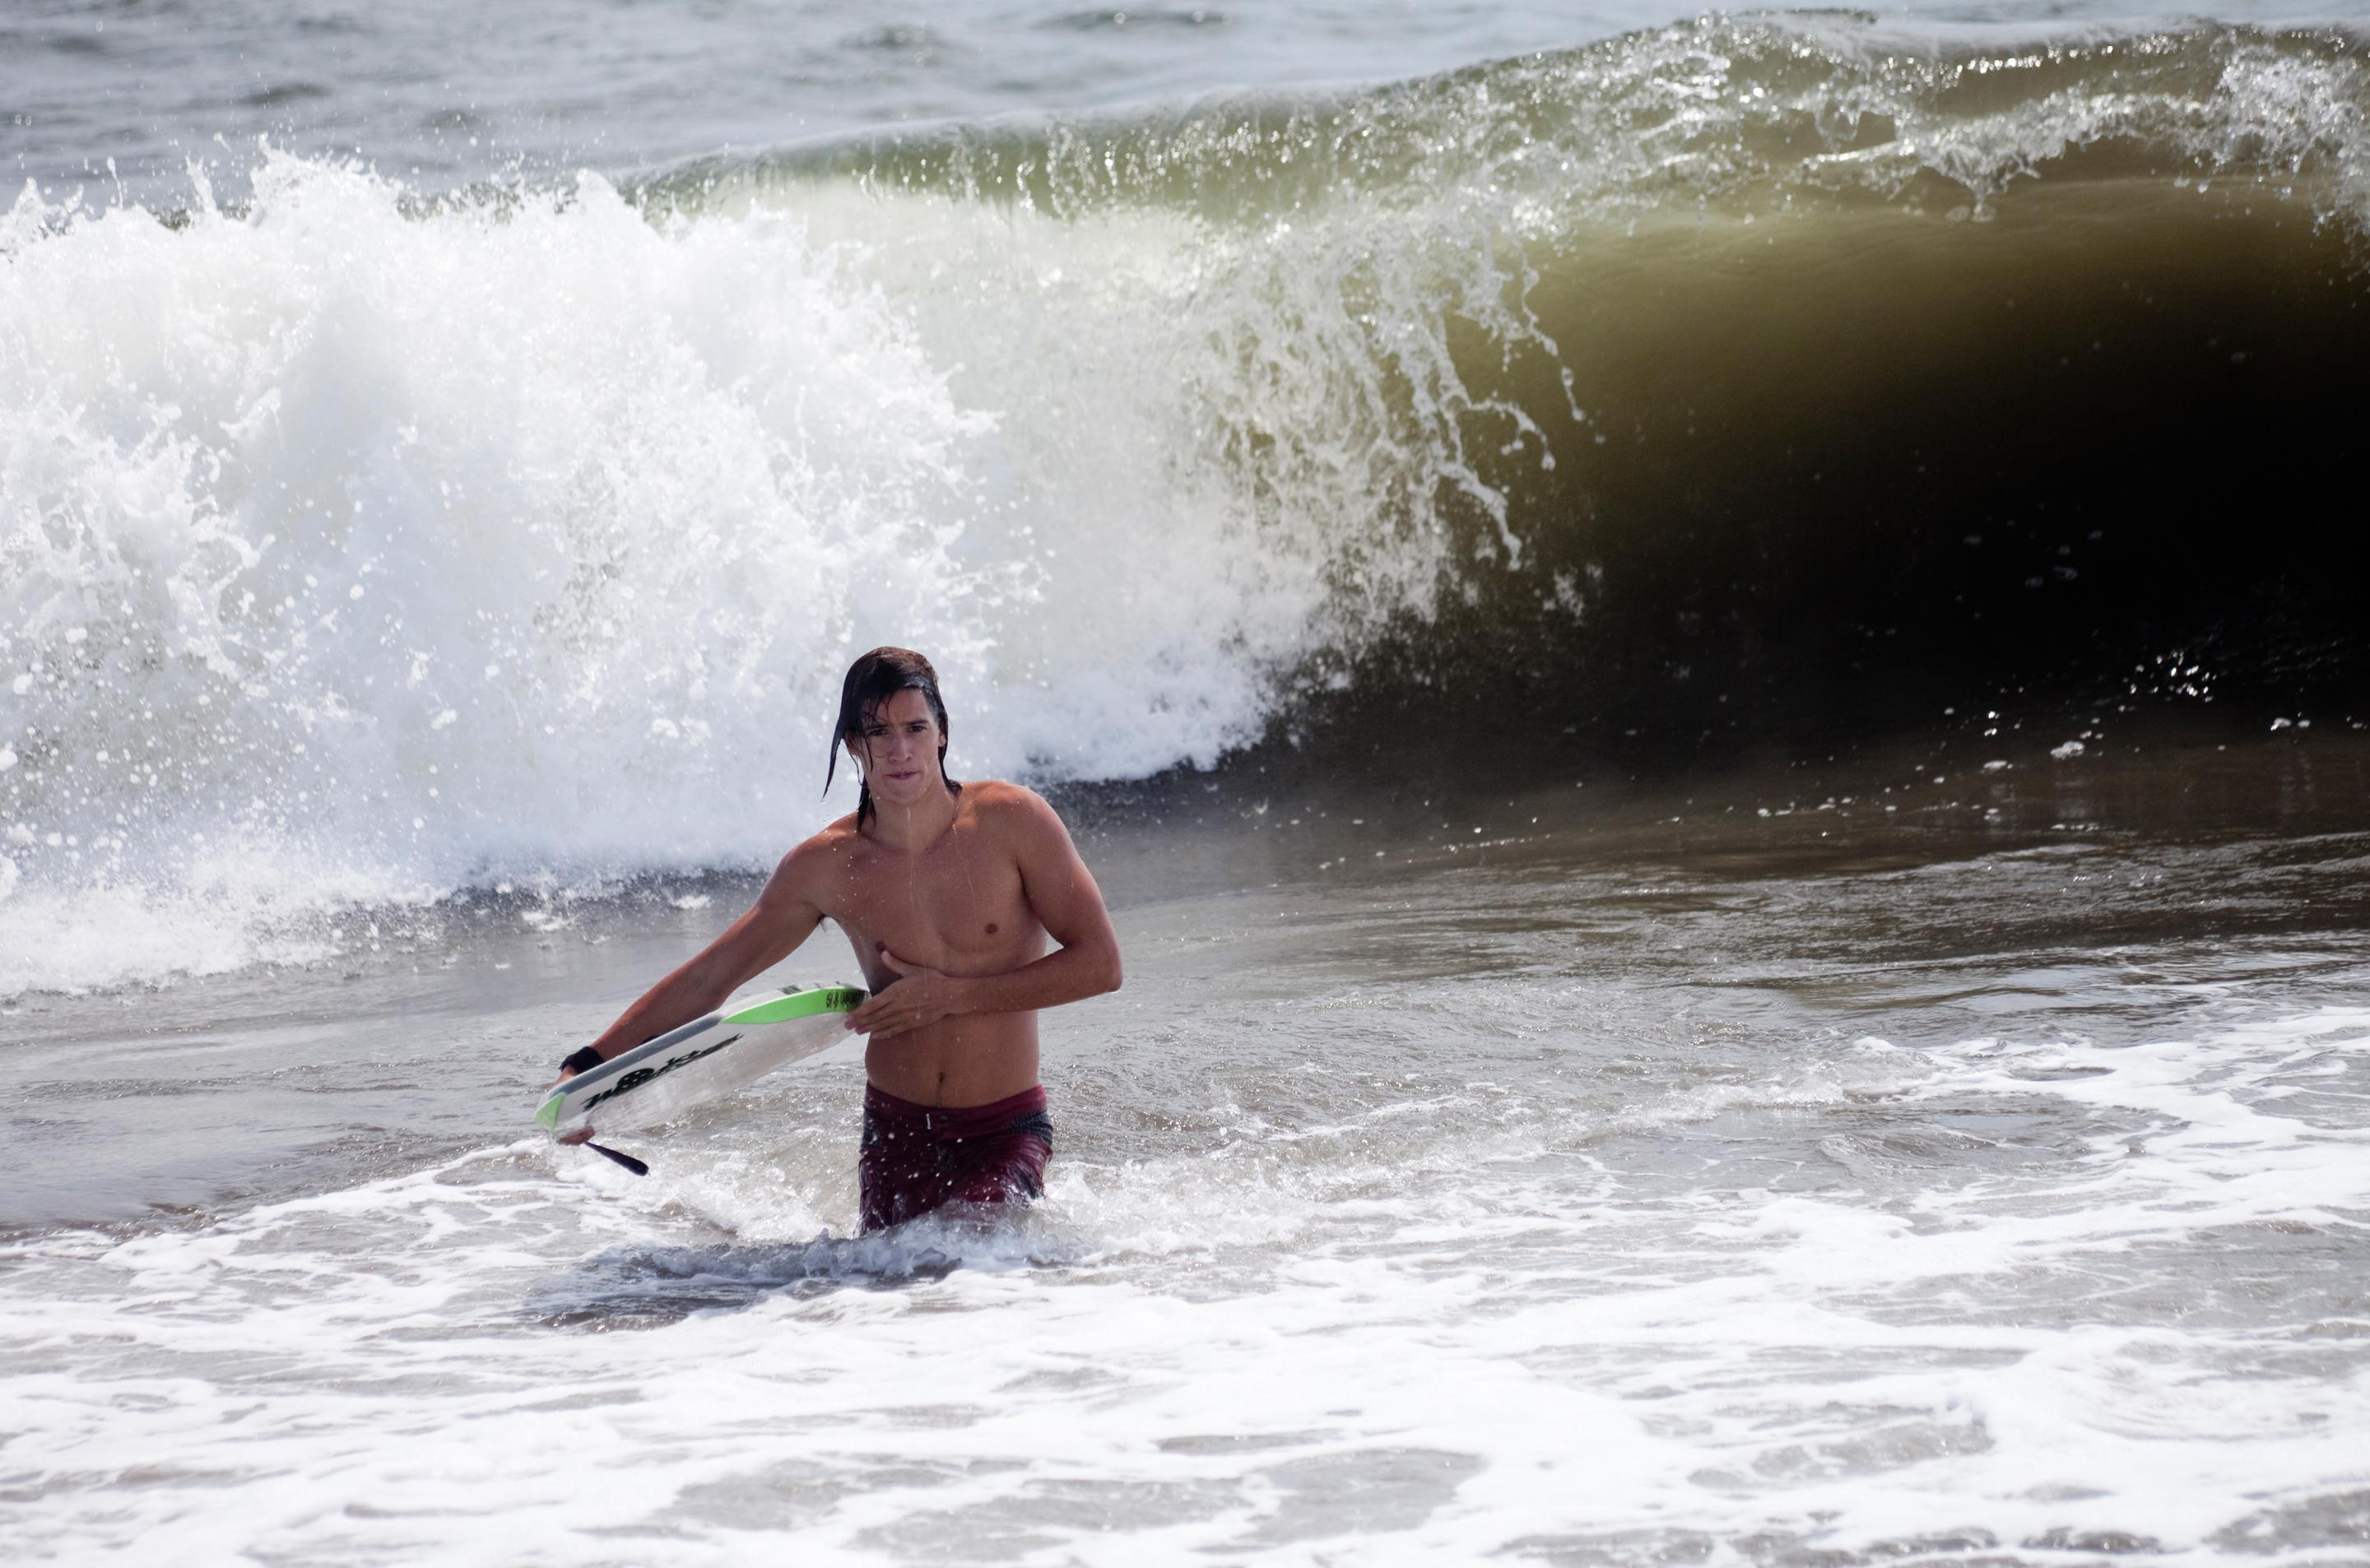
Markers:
(873, 680)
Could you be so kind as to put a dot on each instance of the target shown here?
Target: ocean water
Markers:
(1713, 663)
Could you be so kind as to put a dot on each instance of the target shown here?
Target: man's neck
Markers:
(914, 827)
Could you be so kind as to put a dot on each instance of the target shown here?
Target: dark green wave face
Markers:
(1737, 374)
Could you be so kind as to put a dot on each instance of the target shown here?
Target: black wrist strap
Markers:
(584, 1061)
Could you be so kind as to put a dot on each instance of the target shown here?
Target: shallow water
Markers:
(1980, 1180)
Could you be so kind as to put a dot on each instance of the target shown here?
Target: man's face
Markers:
(899, 750)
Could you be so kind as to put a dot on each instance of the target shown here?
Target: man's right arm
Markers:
(770, 931)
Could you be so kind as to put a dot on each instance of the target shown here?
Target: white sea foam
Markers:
(1518, 1337)
(370, 553)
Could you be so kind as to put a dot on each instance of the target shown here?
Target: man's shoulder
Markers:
(837, 834)
(1000, 802)
(827, 846)
(1000, 795)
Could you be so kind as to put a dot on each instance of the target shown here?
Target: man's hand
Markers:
(919, 995)
(577, 1135)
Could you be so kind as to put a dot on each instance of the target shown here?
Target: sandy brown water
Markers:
(1848, 890)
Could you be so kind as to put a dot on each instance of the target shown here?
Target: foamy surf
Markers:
(1532, 1330)
(354, 563)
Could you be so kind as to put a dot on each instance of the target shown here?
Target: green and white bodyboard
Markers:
(702, 1060)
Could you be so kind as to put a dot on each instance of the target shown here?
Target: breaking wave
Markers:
(359, 547)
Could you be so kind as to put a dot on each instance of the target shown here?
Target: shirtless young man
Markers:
(948, 892)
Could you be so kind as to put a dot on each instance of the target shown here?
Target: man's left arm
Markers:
(1062, 893)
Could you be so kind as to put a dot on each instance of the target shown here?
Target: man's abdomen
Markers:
(972, 1060)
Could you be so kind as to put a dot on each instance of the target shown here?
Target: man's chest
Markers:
(954, 899)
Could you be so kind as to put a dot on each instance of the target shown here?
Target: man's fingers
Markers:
(896, 963)
(883, 1014)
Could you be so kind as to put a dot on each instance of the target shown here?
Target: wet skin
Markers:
(947, 898)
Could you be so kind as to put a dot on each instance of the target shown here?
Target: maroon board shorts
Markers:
(917, 1158)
